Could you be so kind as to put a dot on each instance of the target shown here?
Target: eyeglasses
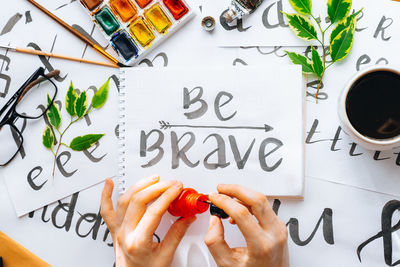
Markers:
(32, 100)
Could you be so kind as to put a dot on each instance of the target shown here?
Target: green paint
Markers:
(107, 20)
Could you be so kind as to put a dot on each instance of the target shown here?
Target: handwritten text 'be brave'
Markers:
(195, 107)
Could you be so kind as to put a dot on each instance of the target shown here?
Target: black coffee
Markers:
(373, 105)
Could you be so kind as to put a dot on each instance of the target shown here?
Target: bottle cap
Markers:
(214, 210)
(208, 23)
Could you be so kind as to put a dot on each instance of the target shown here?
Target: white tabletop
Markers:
(348, 192)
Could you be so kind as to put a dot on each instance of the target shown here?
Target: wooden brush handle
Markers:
(74, 31)
(41, 53)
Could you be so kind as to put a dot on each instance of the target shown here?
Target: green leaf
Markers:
(100, 97)
(302, 26)
(81, 143)
(352, 19)
(316, 62)
(302, 6)
(81, 104)
(338, 9)
(53, 113)
(70, 100)
(300, 60)
(48, 138)
(342, 43)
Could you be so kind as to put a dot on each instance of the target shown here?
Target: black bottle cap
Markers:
(214, 210)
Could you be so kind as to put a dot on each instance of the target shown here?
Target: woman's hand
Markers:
(135, 220)
(265, 234)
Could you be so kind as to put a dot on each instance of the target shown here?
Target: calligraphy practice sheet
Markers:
(332, 227)
(329, 228)
(216, 125)
(330, 153)
(29, 176)
(267, 26)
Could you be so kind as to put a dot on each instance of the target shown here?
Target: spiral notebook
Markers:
(236, 125)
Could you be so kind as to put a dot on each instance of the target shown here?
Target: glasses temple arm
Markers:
(18, 93)
(35, 82)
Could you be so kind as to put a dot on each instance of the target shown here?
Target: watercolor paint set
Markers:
(135, 27)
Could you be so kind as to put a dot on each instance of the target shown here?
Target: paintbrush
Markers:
(41, 53)
(77, 34)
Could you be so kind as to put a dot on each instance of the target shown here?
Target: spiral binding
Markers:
(121, 180)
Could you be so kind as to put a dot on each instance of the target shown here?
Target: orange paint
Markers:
(125, 9)
(143, 3)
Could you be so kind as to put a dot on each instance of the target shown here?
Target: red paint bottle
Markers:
(189, 203)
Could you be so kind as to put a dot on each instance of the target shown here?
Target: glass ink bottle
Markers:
(240, 8)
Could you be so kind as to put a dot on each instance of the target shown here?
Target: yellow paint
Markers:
(158, 18)
(141, 32)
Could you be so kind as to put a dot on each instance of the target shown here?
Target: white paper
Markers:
(34, 29)
(251, 98)
(340, 160)
(355, 217)
(29, 176)
(52, 233)
(67, 233)
(268, 27)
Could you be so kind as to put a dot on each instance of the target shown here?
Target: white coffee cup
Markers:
(362, 140)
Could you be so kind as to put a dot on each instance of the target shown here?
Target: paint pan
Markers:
(106, 19)
(91, 4)
(125, 9)
(122, 42)
(135, 27)
(158, 18)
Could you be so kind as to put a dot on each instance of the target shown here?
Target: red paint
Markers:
(176, 7)
(188, 204)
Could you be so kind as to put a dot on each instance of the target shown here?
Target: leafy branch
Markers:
(340, 39)
(77, 108)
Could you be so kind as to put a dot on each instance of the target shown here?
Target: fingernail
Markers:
(177, 184)
(109, 182)
(212, 194)
(220, 186)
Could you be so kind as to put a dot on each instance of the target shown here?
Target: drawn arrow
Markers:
(166, 125)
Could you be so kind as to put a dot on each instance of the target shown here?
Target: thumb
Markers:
(106, 209)
(175, 235)
(216, 243)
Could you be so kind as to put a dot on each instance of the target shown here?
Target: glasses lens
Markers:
(34, 100)
(10, 141)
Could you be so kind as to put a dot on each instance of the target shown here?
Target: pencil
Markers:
(41, 53)
(77, 33)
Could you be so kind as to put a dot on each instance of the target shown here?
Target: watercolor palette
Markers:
(135, 27)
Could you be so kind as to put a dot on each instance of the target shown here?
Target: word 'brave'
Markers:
(195, 107)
